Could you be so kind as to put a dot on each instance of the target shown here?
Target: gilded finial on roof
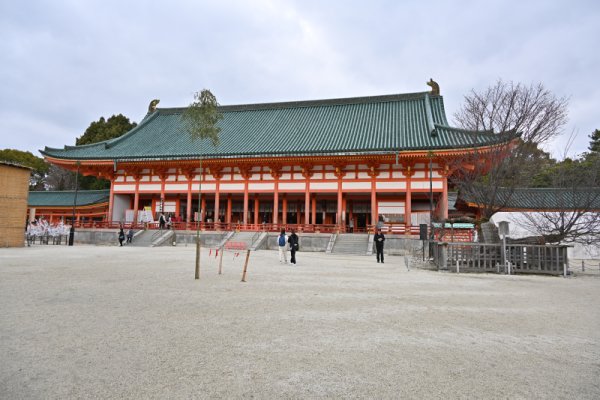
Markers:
(435, 88)
(152, 106)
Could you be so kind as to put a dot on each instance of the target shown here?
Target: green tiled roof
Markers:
(65, 198)
(549, 199)
(381, 124)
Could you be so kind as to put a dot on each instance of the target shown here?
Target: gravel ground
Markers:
(111, 322)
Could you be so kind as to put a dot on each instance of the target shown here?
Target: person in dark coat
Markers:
(294, 246)
(129, 235)
(121, 236)
(379, 239)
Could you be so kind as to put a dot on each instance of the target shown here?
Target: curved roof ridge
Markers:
(310, 103)
(72, 191)
(111, 142)
(490, 133)
(106, 143)
(463, 130)
(70, 147)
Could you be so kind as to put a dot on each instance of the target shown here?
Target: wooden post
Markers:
(221, 261)
(246, 265)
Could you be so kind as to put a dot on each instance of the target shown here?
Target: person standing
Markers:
(294, 246)
(351, 226)
(130, 235)
(161, 221)
(379, 239)
(121, 236)
(282, 243)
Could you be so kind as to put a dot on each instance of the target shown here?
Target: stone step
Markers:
(351, 244)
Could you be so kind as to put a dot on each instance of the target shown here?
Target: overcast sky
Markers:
(64, 64)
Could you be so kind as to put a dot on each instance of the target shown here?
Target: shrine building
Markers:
(308, 164)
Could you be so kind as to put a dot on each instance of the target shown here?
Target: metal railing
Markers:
(515, 258)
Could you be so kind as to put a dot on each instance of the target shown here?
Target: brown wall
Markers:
(14, 190)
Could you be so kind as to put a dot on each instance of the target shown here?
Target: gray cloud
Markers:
(65, 64)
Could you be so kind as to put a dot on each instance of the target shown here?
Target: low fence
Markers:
(55, 239)
(588, 267)
(514, 258)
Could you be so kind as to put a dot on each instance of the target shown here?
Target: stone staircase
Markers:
(151, 238)
(142, 239)
(242, 237)
(351, 243)
(489, 233)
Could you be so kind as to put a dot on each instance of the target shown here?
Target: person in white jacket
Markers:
(282, 243)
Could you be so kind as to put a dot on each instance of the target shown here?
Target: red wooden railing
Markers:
(388, 228)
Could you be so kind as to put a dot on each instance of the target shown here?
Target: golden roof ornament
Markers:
(152, 106)
(435, 88)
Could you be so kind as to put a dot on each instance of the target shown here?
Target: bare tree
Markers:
(520, 118)
(533, 111)
(575, 197)
(60, 178)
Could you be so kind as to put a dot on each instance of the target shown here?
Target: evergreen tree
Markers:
(27, 159)
(102, 129)
(98, 131)
(595, 141)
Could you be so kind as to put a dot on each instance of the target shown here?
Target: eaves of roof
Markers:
(353, 126)
(66, 198)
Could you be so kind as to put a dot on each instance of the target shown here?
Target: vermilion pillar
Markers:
(228, 215)
(407, 207)
(373, 203)
(314, 209)
(307, 204)
(111, 196)
(136, 199)
(217, 187)
(188, 213)
(339, 218)
(276, 201)
(256, 209)
(445, 199)
(284, 209)
(245, 220)
(343, 217)
(163, 178)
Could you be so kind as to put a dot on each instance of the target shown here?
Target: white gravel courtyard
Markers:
(112, 322)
